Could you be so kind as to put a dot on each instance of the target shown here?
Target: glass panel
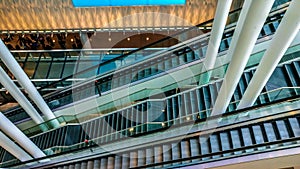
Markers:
(235, 138)
(29, 69)
(56, 69)
(42, 70)
(282, 129)
(84, 63)
(258, 134)
(69, 68)
(204, 143)
(270, 132)
(247, 137)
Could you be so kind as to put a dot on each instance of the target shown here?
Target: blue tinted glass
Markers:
(94, 3)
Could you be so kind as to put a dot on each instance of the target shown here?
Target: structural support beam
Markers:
(17, 135)
(25, 82)
(85, 40)
(20, 98)
(13, 148)
(250, 23)
(285, 34)
(219, 24)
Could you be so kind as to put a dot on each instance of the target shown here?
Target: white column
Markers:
(20, 98)
(86, 44)
(285, 34)
(219, 24)
(13, 148)
(250, 23)
(13, 132)
(25, 82)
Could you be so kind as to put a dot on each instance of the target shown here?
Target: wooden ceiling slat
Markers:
(60, 14)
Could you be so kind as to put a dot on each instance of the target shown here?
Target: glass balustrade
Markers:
(141, 118)
(135, 131)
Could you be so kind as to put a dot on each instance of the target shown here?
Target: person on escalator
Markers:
(87, 144)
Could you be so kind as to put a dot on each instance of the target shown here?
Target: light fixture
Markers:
(109, 34)
(131, 129)
(128, 39)
(147, 38)
(72, 40)
(53, 40)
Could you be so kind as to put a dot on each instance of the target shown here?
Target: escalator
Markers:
(240, 140)
(183, 109)
(187, 107)
(249, 134)
(136, 71)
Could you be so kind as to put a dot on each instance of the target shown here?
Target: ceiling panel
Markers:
(60, 14)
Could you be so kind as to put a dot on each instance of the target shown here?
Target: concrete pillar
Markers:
(285, 34)
(25, 82)
(219, 24)
(20, 98)
(13, 148)
(250, 23)
(85, 41)
(13, 132)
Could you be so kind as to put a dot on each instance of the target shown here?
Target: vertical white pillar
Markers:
(20, 98)
(13, 148)
(13, 132)
(254, 14)
(85, 41)
(25, 82)
(285, 34)
(219, 24)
